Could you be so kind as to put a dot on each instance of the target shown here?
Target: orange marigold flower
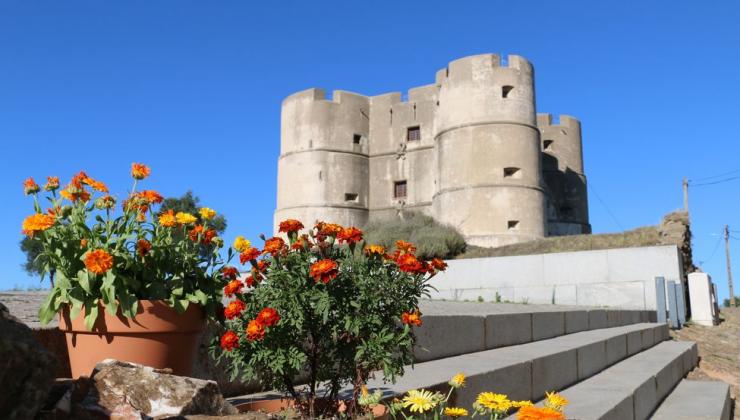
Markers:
(99, 261)
(404, 246)
(30, 186)
(374, 250)
(96, 185)
(229, 341)
(411, 318)
(410, 264)
(330, 229)
(268, 317)
(208, 236)
(143, 247)
(52, 183)
(290, 226)
(538, 413)
(75, 194)
(37, 223)
(78, 179)
(351, 235)
(194, 232)
(105, 202)
(140, 171)
(255, 330)
(324, 270)
(230, 272)
(438, 264)
(249, 281)
(83, 243)
(274, 246)
(151, 196)
(167, 219)
(262, 265)
(301, 243)
(249, 254)
(232, 287)
(234, 309)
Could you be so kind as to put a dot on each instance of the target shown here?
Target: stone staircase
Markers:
(610, 364)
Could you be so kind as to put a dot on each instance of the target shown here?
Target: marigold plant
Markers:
(101, 257)
(325, 305)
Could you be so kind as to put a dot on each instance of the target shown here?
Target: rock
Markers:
(128, 390)
(26, 369)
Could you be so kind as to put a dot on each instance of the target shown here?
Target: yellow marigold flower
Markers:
(241, 244)
(185, 218)
(555, 401)
(37, 223)
(455, 412)
(458, 381)
(420, 401)
(374, 249)
(494, 402)
(520, 404)
(167, 219)
(206, 213)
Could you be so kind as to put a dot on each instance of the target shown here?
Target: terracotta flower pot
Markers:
(158, 337)
(274, 405)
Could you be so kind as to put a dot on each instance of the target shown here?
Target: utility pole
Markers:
(729, 270)
(685, 195)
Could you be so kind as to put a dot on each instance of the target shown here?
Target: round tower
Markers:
(489, 178)
(323, 164)
(562, 169)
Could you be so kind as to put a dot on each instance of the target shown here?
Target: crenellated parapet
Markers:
(562, 140)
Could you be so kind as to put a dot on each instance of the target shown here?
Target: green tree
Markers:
(188, 202)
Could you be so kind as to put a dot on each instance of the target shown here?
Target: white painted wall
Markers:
(622, 278)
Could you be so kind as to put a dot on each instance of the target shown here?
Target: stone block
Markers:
(652, 316)
(616, 349)
(696, 400)
(648, 338)
(612, 318)
(668, 376)
(591, 359)
(601, 403)
(547, 325)
(597, 319)
(634, 342)
(508, 329)
(553, 372)
(576, 321)
(449, 335)
(514, 378)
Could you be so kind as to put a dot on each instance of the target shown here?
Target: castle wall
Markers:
(489, 174)
(562, 160)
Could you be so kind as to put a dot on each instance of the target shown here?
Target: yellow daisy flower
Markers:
(185, 218)
(458, 381)
(206, 213)
(494, 402)
(455, 412)
(420, 401)
(555, 401)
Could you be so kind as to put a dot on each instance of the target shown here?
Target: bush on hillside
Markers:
(431, 238)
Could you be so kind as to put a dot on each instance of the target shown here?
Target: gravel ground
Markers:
(25, 306)
(719, 351)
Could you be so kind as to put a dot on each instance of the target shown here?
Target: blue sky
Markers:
(194, 89)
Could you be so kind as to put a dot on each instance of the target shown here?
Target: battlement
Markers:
(546, 119)
(468, 66)
(319, 95)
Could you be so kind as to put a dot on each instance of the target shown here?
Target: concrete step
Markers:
(527, 371)
(633, 388)
(696, 400)
(457, 328)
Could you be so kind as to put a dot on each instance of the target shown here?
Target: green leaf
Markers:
(180, 305)
(84, 280)
(47, 310)
(91, 314)
(129, 304)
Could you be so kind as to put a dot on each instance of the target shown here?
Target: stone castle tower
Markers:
(469, 150)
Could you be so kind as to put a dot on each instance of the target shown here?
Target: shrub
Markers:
(432, 239)
(325, 306)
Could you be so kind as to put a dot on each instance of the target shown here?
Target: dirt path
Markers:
(719, 351)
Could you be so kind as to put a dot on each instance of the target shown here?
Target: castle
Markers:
(469, 150)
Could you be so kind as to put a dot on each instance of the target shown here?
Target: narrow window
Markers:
(356, 139)
(512, 172)
(566, 211)
(513, 224)
(547, 144)
(505, 90)
(353, 197)
(413, 133)
(399, 189)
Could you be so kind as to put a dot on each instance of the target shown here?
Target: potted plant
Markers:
(324, 307)
(129, 284)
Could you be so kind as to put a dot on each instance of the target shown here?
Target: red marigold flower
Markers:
(262, 265)
(143, 247)
(404, 246)
(234, 309)
(255, 330)
(290, 226)
(351, 235)
(410, 264)
(194, 232)
(233, 287)
(208, 236)
(268, 317)
(438, 264)
(274, 246)
(411, 318)
(249, 280)
(30, 186)
(324, 270)
(249, 254)
(229, 341)
(98, 261)
(230, 272)
(140, 171)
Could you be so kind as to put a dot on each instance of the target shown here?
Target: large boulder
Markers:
(26, 369)
(127, 390)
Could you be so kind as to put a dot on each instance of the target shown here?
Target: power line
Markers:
(716, 176)
(591, 187)
(714, 251)
(716, 182)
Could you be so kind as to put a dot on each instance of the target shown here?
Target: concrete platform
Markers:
(527, 371)
(633, 388)
(696, 400)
